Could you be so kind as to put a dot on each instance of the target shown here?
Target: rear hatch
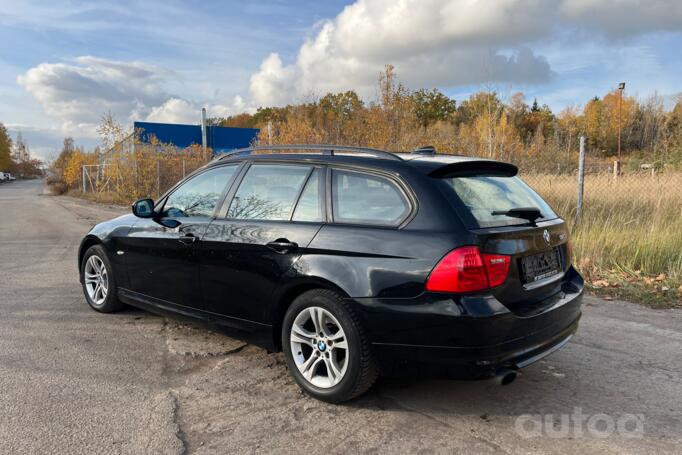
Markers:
(509, 218)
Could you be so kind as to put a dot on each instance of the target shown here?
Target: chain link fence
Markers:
(626, 225)
(148, 171)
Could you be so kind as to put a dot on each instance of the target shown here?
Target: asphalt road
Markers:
(75, 381)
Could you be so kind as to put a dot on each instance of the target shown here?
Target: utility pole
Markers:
(621, 87)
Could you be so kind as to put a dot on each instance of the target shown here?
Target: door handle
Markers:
(188, 239)
(282, 245)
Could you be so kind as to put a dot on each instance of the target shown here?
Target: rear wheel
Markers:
(326, 348)
(99, 283)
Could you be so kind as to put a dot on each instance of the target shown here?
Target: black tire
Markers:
(110, 303)
(361, 370)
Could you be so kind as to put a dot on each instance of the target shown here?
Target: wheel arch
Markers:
(286, 297)
(88, 241)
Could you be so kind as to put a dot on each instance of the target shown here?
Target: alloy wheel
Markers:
(319, 347)
(96, 280)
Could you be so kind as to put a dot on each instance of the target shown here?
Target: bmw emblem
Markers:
(321, 345)
(545, 235)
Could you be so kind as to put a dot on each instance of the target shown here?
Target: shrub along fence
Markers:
(147, 170)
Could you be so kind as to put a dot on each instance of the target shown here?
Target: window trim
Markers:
(229, 197)
(161, 203)
(407, 194)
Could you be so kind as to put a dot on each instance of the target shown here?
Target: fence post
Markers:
(83, 178)
(581, 179)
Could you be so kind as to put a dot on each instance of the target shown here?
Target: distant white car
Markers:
(4, 177)
(9, 176)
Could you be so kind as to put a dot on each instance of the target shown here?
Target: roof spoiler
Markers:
(475, 167)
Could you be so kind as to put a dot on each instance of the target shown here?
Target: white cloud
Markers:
(447, 43)
(432, 43)
(178, 110)
(270, 85)
(44, 142)
(173, 110)
(79, 92)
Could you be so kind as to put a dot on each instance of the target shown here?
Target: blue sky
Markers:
(64, 64)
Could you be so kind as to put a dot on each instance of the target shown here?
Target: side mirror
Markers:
(144, 208)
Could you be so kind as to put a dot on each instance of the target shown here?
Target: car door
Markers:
(162, 262)
(267, 223)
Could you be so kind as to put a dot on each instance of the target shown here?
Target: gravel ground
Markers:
(75, 381)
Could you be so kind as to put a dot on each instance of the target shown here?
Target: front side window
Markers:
(199, 195)
(367, 199)
(268, 192)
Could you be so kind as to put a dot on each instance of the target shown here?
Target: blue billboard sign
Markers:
(218, 138)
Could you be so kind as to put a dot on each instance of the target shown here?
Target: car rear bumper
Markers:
(467, 337)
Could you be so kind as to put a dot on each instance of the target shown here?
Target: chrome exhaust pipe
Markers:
(505, 376)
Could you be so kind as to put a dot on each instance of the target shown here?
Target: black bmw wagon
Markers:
(354, 262)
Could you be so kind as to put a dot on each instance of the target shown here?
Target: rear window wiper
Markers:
(527, 213)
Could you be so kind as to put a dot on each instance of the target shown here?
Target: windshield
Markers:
(483, 195)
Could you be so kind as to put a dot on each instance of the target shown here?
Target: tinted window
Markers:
(483, 195)
(309, 207)
(268, 192)
(199, 195)
(367, 199)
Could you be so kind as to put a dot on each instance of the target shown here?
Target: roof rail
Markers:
(326, 149)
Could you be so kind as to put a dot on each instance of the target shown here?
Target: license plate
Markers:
(540, 266)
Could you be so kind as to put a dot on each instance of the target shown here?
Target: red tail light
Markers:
(465, 269)
(497, 268)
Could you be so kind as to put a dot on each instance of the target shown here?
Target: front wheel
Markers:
(99, 283)
(326, 348)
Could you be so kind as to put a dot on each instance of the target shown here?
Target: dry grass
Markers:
(630, 229)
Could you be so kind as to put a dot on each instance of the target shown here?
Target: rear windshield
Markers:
(483, 195)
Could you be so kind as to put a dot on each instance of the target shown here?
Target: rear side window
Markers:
(199, 195)
(362, 198)
(268, 192)
(484, 194)
(308, 207)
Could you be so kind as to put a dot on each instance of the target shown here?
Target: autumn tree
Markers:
(243, 120)
(73, 172)
(484, 124)
(600, 118)
(5, 149)
(111, 132)
(59, 164)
